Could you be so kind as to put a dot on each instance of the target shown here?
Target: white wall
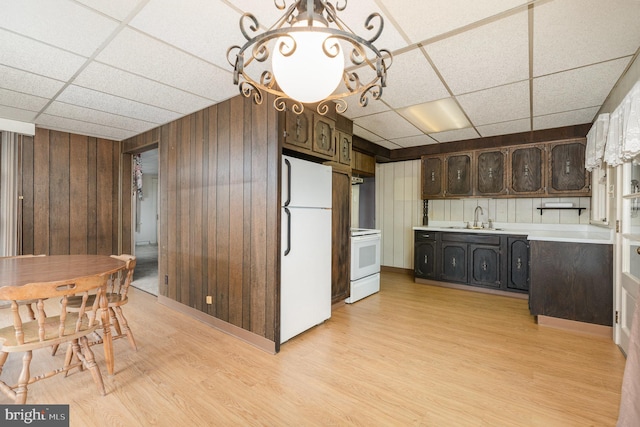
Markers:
(146, 232)
(399, 209)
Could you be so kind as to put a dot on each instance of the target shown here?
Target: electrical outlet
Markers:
(209, 299)
(166, 279)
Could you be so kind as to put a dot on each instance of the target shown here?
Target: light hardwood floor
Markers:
(411, 355)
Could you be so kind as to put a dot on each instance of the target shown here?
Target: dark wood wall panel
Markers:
(219, 213)
(69, 199)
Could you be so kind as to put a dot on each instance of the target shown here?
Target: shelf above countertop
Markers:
(541, 209)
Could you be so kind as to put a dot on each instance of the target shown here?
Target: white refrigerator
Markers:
(305, 267)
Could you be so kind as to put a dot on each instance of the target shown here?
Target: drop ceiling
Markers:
(116, 68)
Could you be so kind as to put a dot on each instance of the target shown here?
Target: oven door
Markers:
(365, 255)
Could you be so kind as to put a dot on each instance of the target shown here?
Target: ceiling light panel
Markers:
(47, 21)
(499, 104)
(140, 54)
(493, 54)
(436, 116)
(422, 85)
(577, 88)
(422, 20)
(569, 33)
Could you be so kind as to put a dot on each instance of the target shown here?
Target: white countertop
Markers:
(544, 232)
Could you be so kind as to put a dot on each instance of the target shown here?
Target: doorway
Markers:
(145, 221)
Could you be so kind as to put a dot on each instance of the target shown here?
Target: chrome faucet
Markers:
(475, 216)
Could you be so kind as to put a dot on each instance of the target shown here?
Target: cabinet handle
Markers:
(484, 265)
(426, 259)
(526, 170)
(638, 250)
(519, 264)
(433, 176)
(426, 236)
(453, 262)
(567, 167)
(459, 174)
(490, 172)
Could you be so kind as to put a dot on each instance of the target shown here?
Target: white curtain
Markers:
(8, 194)
(596, 141)
(623, 136)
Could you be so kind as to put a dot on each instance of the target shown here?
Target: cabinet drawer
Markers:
(421, 236)
(484, 239)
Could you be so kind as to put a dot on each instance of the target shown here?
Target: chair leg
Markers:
(88, 360)
(126, 329)
(54, 349)
(23, 380)
(114, 321)
(3, 358)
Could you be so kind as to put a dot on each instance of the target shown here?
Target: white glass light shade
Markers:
(308, 75)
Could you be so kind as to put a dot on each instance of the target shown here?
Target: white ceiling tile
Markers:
(207, 34)
(88, 98)
(499, 104)
(29, 83)
(491, 55)
(389, 125)
(414, 141)
(118, 9)
(515, 126)
(365, 134)
(89, 115)
(140, 54)
(568, 118)
(374, 106)
(574, 89)
(35, 57)
(455, 135)
(83, 128)
(17, 114)
(104, 78)
(572, 33)
(419, 86)
(9, 98)
(48, 21)
(388, 144)
(422, 20)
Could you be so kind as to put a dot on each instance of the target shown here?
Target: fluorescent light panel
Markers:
(436, 116)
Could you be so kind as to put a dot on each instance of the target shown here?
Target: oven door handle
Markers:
(288, 212)
(365, 238)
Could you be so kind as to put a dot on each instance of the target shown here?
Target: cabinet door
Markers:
(484, 265)
(459, 175)
(298, 128)
(567, 171)
(454, 262)
(344, 148)
(518, 268)
(432, 172)
(425, 260)
(527, 170)
(324, 136)
(491, 176)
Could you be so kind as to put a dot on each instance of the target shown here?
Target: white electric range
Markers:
(365, 263)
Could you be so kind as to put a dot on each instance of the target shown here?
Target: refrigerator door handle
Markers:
(288, 212)
(288, 163)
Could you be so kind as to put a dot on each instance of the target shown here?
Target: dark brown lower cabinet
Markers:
(341, 223)
(572, 281)
(475, 259)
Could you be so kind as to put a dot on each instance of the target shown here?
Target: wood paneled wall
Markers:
(219, 213)
(71, 194)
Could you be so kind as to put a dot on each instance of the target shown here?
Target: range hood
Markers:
(356, 180)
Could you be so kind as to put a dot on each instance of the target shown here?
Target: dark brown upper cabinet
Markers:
(432, 173)
(324, 135)
(297, 128)
(344, 148)
(566, 169)
(491, 176)
(459, 175)
(527, 170)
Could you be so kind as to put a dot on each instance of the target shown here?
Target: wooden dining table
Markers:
(20, 271)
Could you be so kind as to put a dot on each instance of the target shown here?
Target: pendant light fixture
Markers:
(309, 56)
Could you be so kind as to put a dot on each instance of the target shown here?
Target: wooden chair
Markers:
(117, 289)
(46, 331)
(28, 304)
